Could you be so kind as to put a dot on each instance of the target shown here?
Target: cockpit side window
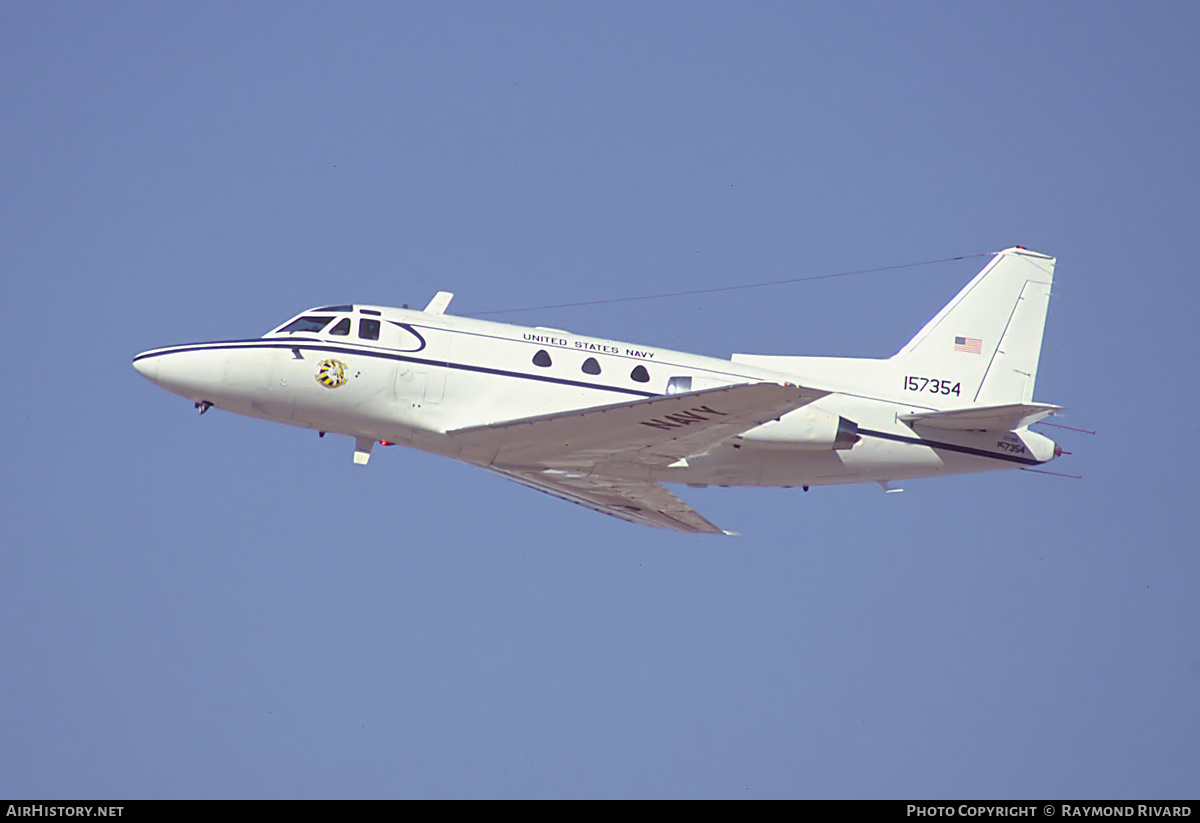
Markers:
(342, 327)
(368, 329)
(308, 323)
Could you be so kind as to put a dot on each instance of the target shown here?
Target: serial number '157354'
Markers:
(932, 385)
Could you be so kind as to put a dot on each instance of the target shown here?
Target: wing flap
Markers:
(982, 418)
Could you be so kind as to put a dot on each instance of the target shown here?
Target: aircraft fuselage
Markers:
(428, 375)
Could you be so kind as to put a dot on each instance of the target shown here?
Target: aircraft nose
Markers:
(186, 371)
(147, 367)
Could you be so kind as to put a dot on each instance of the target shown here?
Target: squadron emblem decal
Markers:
(331, 373)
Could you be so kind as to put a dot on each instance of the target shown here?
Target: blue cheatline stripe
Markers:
(954, 447)
(386, 355)
(258, 343)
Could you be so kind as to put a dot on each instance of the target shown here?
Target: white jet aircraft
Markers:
(603, 423)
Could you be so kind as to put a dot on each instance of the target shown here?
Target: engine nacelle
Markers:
(805, 429)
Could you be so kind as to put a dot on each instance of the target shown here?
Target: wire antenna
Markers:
(718, 289)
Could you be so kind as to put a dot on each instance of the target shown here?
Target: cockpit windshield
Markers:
(307, 323)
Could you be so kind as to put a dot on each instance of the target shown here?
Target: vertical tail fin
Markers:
(989, 337)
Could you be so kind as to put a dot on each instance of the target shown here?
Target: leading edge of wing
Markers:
(652, 432)
(636, 501)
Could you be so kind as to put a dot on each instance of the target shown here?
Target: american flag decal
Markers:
(971, 345)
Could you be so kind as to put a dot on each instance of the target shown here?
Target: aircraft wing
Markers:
(983, 418)
(654, 432)
(638, 501)
(602, 457)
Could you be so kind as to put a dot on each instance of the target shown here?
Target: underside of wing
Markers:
(638, 501)
(983, 418)
(649, 433)
(603, 458)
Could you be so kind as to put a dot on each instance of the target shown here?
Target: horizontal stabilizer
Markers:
(982, 418)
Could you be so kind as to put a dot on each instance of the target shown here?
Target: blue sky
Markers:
(219, 607)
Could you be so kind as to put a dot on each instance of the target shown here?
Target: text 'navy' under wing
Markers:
(653, 433)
